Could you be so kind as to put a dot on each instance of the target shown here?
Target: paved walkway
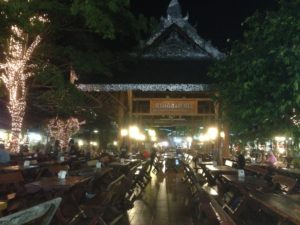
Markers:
(165, 202)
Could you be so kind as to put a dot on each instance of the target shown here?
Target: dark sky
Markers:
(215, 20)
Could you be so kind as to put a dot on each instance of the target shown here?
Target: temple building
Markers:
(167, 86)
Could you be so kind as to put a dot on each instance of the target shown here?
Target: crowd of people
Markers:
(54, 150)
(269, 159)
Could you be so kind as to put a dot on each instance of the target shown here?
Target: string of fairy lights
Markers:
(295, 118)
(62, 130)
(14, 73)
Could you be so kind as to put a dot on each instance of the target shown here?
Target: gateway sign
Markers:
(173, 107)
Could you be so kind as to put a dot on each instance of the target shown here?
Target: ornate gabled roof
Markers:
(188, 43)
(174, 9)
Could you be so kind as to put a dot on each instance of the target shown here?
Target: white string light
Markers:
(295, 118)
(14, 73)
(62, 130)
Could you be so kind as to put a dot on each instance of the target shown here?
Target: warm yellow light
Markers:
(151, 133)
(154, 138)
(212, 133)
(3, 135)
(189, 139)
(203, 137)
(222, 134)
(164, 144)
(80, 143)
(124, 132)
(281, 150)
(279, 138)
(115, 143)
(133, 131)
(140, 137)
(93, 143)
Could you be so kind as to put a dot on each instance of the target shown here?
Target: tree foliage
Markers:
(91, 36)
(259, 81)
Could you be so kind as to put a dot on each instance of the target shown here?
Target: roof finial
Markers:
(174, 9)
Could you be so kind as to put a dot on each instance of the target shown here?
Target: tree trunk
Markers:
(17, 122)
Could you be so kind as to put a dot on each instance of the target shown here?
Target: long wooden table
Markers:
(247, 182)
(16, 168)
(52, 187)
(212, 173)
(286, 208)
(257, 169)
(54, 183)
(217, 170)
(293, 172)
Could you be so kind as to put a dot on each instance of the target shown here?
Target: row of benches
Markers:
(208, 210)
(85, 203)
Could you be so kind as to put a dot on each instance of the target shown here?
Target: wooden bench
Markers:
(257, 170)
(12, 191)
(94, 208)
(212, 211)
(3, 206)
(285, 184)
(43, 212)
(190, 178)
(280, 207)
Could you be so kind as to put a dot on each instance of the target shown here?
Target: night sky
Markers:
(215, 20)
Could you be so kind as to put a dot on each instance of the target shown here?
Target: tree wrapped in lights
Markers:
(62, 130)
(295, 118)
(14, 73)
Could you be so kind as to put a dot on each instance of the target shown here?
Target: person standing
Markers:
(4, 155)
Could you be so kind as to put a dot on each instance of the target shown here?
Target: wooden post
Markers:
(225, 146)
(129, 96)
(120, 119)
(218, 141)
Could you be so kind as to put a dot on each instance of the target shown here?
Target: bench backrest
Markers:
(9, 178)
(45, 211)
(220, 215)
(11, 182)
(213, 210)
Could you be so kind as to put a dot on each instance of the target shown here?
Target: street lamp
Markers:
(222, 134)
(133, 131)
(124, 132)
(212, 133)
(152, 133)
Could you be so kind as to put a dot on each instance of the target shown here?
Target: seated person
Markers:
(106, 158)
(146, 154)
(72, 148)
(4, 155)
(240, 160)
(24, 150)
(123, 152)
(271, 159)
